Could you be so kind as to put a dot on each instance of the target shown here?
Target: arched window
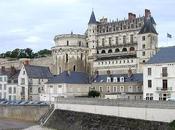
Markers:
(74, 68)
(132, 49)
(110, 51)
(124, 49)
(117, 50)
(67, 58)
(103, 51)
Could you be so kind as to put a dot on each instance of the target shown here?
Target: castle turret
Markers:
(147, 40)
(92, 38)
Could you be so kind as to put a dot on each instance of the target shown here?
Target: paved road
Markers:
(7, 124)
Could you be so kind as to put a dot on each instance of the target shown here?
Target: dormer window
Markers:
(115, 79)
(108, 79)
(122, 79)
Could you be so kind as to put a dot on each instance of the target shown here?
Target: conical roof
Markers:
(92, 19)
(148, 27)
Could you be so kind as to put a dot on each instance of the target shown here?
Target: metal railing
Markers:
(164, 89)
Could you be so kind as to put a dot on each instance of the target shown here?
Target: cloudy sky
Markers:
(34, 23)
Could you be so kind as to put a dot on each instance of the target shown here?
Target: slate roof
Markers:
(92, 19)
(134, 78)
(11, 75)
(70, 78)
(38, 72)
(148, 27)
(164, 55)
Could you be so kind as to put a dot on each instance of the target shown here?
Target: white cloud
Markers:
(33, 39)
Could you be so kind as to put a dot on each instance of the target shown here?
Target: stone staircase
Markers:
(47, 115)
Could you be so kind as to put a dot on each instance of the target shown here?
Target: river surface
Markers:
(10, 124)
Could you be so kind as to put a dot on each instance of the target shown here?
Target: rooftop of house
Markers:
(70, 78)
(11, 73)
(38, 71)
(164, 55)
(132, 78)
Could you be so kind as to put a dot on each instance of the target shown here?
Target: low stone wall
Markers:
(70, 120)
(26, 113)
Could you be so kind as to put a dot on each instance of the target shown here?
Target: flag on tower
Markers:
(169, 35)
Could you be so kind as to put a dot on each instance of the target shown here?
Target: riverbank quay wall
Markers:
(100, 114)
(25, 113)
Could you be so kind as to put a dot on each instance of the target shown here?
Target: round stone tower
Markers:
(70, 53)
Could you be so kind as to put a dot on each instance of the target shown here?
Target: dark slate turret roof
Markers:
(70, 78)
(133, 78)
(38, 71)
(148, 27)
(92, 19)
(164, 55)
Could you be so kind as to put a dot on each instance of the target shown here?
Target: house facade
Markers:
(66, 84)
(31, 81)
(159, 75)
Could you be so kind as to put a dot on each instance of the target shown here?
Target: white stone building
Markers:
(31, 81)
(159, 75)
(66, 84)
(8, 83)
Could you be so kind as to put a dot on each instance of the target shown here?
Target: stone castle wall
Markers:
(25, 113)
(69, 120)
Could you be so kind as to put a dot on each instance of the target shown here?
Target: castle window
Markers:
(124, 49)
(131, 39)
(143, 46)
(110, 41)
(79, 43)
(110, 51)
(116, 40)
(59, 69)
(143, 53)
(67, 58)
(74, 68)
(103, 42)
(87, 44)
(124, 39)
(143, 38)
(103, 51)
(67, 43)
(81, 56)
(117, 50)
(132, 49)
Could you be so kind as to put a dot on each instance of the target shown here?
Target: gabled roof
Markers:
(70, 78)
(133, 78)
(92, 19)
(164, 55)
(148, 26)
(37, 71)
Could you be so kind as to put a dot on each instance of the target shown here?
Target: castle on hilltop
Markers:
(107, 47)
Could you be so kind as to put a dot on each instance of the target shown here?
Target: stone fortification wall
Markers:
(25, 113)
(70, 120)
(45, 61)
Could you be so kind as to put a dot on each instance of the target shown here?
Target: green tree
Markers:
(93, 93)
(14, 53)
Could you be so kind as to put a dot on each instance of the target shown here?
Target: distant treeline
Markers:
(25, 53)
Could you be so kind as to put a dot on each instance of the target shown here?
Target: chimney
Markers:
(130, 16)
(129, 72)
(12, 70)
(134, 16)
(147, 13)
(3, 69)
